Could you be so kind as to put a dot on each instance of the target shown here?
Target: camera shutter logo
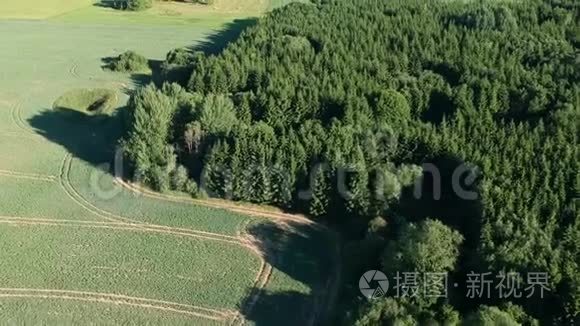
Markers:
(370, 279)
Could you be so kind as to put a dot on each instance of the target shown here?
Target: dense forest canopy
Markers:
(339, 109)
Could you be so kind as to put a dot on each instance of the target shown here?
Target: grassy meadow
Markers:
(77, 248)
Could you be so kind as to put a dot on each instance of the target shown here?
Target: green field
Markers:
(79, 249)
(164, 13)
(33, 9)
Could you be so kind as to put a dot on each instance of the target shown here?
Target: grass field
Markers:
(164, 13)
(77, 248)
(34, 9)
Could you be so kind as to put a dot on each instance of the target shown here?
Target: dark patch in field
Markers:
(285, 247)
(218, 41)
(92, 138)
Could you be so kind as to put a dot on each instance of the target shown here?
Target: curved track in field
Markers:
(243, 239)
(16, 116)
(74, 70)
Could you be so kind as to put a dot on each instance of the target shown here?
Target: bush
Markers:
(179, 178)
(192, 189)
(138, 5)
(129, 61)
(179, 56)
(490, 316)
(427, 247)
(133, 5)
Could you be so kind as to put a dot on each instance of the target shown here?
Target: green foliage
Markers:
(151, 116)
(428, 247)
(217, 115)
(399, 312)
(392, 107)
(490, 316)
(132, 5)
(387, 312)
(179, 56)
(129, 61)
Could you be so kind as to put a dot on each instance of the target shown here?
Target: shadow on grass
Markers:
(216, 42)
(92, 138)
(303, 253)
(113, 4)
(213, 44)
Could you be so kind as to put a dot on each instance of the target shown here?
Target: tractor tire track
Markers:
(29, 176)
(260, 281)
(117, 226)
(197, 311)
(328, 296)
(16, 115)
(74, 70)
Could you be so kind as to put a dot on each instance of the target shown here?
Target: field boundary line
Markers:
(30, 176)
(331, 288)
(260, 282)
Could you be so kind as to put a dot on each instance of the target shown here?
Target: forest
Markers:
(368, 116)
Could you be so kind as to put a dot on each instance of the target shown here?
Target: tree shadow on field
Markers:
(113, 4)
(303, 254)
(216, 42)
(92, 138)
(213, 44)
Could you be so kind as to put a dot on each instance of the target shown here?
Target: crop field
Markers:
(162, 13)
(80, 246)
